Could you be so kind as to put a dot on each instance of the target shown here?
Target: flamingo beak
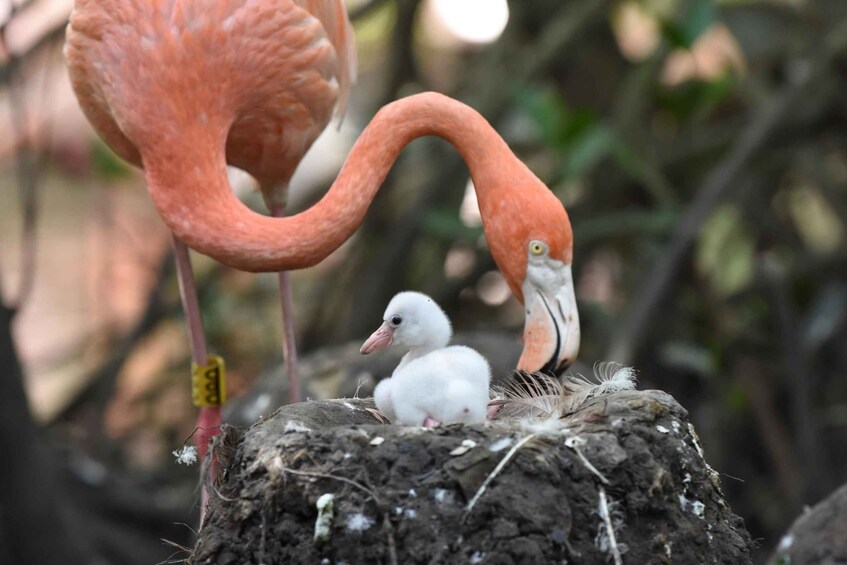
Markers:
(380, 339)
(551, 334)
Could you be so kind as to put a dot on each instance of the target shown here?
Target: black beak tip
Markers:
(555, 369)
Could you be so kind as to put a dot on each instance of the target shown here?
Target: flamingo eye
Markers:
(396, 321)
(537, 248)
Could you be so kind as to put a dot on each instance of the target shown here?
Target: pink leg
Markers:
(289, 345)
(430, 422)
(492, 409)
(209, 419)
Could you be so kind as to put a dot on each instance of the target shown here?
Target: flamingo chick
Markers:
(433, 384)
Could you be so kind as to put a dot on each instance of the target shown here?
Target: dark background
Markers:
(700, 150)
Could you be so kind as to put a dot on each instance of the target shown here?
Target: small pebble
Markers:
(466, 446)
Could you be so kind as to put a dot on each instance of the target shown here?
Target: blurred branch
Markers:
(101, 383)
(627, 121)
(29, 164)
(771, 429)
(401, 66)
(50, 37)
(814, 167)
(805, 268)
(712, 190)
(801, 380)
(28, 494)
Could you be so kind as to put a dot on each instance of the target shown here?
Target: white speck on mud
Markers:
(697, 507)
(359, 522)
(500, 444)
(443, 496)
(292, 426)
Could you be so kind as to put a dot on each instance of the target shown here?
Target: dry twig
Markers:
(500, 466)
(610, 530)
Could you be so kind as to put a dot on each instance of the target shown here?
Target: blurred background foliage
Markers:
(700, 150)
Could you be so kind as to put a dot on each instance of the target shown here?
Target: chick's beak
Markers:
(551, 334)
(380, 339)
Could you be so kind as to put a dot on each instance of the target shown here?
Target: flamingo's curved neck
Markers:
(190, 189)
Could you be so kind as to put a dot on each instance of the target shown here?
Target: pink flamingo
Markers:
(183, 88)
(301, 55)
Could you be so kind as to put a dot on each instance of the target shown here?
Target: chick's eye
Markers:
(396, 320)
(537, 247)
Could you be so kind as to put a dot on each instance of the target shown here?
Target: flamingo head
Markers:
(529, 234)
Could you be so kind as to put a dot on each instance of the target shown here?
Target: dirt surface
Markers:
(401, 495)
(818, 536)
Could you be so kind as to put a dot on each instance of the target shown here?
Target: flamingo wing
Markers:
(333, 15)
(267, 73)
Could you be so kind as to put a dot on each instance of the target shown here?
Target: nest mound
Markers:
(819, 535)
(622, 476)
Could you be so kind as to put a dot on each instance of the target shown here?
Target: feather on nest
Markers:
(541, 396)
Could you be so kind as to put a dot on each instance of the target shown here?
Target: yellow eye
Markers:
(537, 247)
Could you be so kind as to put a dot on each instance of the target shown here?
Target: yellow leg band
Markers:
(208, 382)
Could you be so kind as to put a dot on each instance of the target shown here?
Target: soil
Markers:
(401, 495)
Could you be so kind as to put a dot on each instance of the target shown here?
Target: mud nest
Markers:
(819, 535)
(621, 480)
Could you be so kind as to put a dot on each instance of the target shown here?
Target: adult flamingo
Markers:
(185, 62)
(173, 85)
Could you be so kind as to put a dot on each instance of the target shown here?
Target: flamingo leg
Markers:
(209, 419)
(430, 422)
(289, 343)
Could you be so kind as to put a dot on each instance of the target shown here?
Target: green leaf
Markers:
(689, 23)
(696, 98)
(558, 124)
(547, 110)
(587, 150)
(725, 251)
(700, 16)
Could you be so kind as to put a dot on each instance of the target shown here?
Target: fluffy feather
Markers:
(540, 396)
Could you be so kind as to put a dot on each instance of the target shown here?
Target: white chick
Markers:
(434, 383)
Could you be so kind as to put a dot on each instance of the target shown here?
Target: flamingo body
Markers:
(184, 87)
(265, 75)
(446, 386)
